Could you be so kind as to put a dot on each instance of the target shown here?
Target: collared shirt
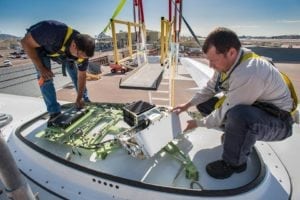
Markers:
(50, 36)
(255, 79)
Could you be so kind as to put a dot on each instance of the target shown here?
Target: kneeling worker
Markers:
(53, 40)
(257, 102)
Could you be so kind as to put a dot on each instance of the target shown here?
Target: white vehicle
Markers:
(24, 56)
(7, 63)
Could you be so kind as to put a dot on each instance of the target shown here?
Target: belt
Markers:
(272, 110)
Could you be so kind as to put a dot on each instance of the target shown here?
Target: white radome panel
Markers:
(158, 135)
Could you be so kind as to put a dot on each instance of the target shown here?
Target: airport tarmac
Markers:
(14, 80)
(107, 88)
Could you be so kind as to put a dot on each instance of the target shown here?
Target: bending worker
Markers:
(256, 104)
(53, 40)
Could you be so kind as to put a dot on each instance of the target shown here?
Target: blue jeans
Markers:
(72, 71)
(244, 125)
(48, 89)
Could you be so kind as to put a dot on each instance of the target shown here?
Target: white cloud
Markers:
(244, 26)
(288, 21)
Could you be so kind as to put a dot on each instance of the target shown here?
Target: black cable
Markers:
(187, 24)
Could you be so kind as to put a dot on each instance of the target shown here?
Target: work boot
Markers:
(220, 169)
(222, 138)
(52, 118)
(87, 100)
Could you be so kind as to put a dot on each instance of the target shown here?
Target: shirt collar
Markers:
(236, 61)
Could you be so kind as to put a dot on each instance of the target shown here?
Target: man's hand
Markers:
(179, 109)
(46, 73)
(79, 104)
(191, 124)
(81, 86)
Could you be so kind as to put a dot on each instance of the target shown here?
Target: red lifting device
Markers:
(177, 17)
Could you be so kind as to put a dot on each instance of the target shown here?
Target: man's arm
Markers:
(201, 96)
(30, 45)
(181, 108)
(81, 86)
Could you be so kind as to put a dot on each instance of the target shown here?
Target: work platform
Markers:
(147, 76)
(107, 88)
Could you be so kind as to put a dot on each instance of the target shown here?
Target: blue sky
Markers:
(255, 17)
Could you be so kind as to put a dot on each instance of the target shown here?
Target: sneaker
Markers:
(52, 118)
(220, 169)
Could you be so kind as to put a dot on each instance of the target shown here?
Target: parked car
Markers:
(7, 63)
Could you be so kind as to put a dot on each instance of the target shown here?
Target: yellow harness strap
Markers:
(289, 83)
(223, 77)
(244, 58)
(220, 102)
(249, 55)
(63, 48)
(286, 79)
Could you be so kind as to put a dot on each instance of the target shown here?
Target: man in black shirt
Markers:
(53, 40)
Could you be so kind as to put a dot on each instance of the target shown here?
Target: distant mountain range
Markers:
(272, 37)
(8, 37)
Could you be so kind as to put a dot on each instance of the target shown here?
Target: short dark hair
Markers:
(223, 39)
(85, 43)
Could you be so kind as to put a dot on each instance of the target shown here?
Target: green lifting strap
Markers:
(116, 13)
(191, 171)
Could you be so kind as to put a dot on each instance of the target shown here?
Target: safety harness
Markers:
(222, 78)
(63, 50)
